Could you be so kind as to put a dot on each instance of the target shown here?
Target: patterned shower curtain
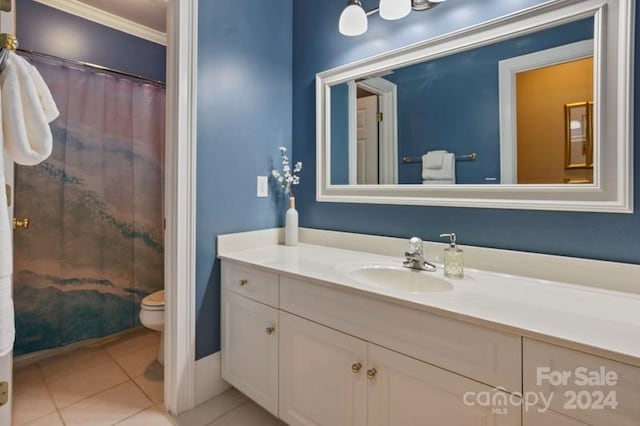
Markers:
(95, 244)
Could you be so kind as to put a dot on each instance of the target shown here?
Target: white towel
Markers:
(27, 108)
(445, 173)
(433, 159)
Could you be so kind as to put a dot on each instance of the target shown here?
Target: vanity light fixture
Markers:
(353, 20)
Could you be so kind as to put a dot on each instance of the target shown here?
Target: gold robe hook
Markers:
(8, 41)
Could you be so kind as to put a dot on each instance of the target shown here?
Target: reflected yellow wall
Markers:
(541, 96)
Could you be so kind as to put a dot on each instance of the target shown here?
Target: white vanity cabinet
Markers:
(315, 353)
(250, 335)
(584, 388)
(322, 374)
(330, 378)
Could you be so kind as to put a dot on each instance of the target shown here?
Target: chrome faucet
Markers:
(415, 257)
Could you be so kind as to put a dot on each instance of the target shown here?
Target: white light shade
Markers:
(437, 1)
(394, 9)
(353, 21)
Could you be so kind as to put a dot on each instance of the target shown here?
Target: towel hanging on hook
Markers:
(8, 42)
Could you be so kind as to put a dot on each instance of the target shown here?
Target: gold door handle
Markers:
(371, 374)
(355, 368)
(243, 283)
(22, 224)
(270, 330)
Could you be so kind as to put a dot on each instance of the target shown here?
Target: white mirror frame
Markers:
(612, 190)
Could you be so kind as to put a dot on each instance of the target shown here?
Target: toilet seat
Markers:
(154, 301)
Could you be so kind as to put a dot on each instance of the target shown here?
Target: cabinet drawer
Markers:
(560, 373)
(253, 283)
(250, 348)
(485, 355)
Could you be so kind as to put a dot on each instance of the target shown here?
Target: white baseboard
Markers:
(209, 382)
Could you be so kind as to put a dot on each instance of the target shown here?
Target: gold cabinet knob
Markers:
(355, 368)
(243, 283)
(270, 330)
(372, 373)
(22, 224)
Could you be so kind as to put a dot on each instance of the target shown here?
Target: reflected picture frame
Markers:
(578, 152)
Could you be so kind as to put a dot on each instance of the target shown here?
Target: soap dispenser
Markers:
(453, 259)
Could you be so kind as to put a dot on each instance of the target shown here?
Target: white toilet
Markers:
(152, 316)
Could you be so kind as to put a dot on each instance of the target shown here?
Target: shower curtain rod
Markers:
(93, 66)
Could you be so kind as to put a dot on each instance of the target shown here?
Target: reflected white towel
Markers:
(433, 159)
(445, 173)
(27, 108)
(438, 182)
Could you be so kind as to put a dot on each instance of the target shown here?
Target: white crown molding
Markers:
(85, 11)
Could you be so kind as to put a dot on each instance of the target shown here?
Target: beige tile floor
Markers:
(117, 384)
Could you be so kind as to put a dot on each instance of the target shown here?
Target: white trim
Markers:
(353, 132)
(612, 191)
(180, 206)
(507, 71)
(209, 381)
(7, 25)
(388, 105)
(85, 11)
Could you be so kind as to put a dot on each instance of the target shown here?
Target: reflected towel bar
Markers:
(469, 157)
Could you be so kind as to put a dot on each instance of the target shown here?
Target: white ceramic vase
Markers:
(291, 224)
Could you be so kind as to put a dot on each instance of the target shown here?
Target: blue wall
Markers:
(244, 115)
(318, 46)
(48, 30)
(453, 103)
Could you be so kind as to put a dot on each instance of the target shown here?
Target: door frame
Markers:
(388, 136)
(180, 206)
(507, 72)
(8, 25)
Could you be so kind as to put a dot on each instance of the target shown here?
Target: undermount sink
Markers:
(399, 278)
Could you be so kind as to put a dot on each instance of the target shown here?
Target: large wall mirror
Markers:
(529, 111)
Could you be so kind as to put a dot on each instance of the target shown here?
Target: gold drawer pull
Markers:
(355, 368)
(243, 283)
(270, 330)
(371, 374)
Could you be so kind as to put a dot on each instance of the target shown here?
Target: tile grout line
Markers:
(88, 396)
(228, 412)
(53, 401)
(58, 410)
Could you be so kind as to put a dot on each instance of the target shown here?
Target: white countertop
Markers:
(607, 321)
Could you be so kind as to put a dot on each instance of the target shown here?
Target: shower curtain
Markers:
(95, 243)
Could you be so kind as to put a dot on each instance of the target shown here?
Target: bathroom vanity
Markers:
(315, 341)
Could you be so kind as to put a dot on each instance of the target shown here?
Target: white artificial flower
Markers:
(288, 177)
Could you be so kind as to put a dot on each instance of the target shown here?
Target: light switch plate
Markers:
(263, 186)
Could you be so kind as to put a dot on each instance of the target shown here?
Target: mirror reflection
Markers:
(518, 111)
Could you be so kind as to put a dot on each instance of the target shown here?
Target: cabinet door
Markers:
(322, 375)
(250, 348)
(533, 417)
(407, 392)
